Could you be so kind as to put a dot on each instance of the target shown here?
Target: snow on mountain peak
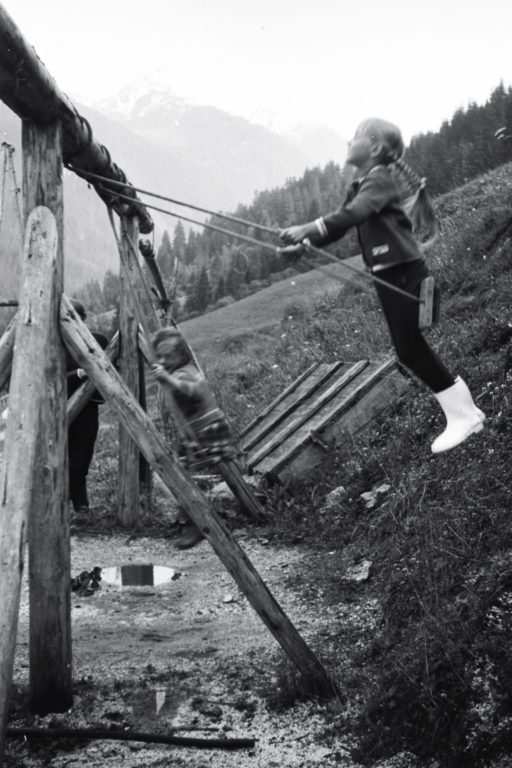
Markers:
(138, 97)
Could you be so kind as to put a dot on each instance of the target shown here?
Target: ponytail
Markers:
(418, 205)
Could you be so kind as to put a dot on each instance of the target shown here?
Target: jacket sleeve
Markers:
(376, 191)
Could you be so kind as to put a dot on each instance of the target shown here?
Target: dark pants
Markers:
(401, 315)
(81, 439)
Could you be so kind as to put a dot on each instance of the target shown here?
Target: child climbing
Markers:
(386, 228)
(204, 436)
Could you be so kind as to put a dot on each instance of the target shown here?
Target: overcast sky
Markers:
(332, 62)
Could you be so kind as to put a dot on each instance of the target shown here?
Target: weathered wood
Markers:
(340, 431)
(128, 501)
(306, 411)
(145, 474)
(341, 410)
(83, 394)
(30, 91)
(426, 308)
(6, 350)
(282, 396)
(231, 474)
(290, 403)
(27, 401)
(48, 531)
(152, 445)
(8, 164)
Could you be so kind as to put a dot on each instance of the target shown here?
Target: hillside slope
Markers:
(264, 310)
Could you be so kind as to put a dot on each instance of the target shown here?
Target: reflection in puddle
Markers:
(160, 697)
(161, 701)
(139, 575)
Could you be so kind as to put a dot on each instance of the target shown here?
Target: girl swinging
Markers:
(385, 232)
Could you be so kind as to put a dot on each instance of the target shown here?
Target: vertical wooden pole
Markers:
(23, 449)
(129, 482)
(145, 474)
(48, 529)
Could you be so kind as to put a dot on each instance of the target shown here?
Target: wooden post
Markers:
(142, 430)
(145, 474)
(48, 525)
(27, 403)
(129, 483)
(6, 349)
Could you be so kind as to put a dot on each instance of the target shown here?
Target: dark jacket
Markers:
(73, 381)
(384, 231)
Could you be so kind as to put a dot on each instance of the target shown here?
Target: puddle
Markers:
(139, 575)
(157, 702)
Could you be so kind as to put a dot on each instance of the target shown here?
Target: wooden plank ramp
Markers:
(327, 403)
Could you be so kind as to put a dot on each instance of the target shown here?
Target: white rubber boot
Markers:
(463, 418)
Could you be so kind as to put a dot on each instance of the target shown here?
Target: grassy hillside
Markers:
(262, 312)
(432, 674)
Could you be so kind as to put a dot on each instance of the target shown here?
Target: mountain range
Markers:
(195, 153)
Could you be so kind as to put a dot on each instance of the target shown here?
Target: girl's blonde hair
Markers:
(417, 203)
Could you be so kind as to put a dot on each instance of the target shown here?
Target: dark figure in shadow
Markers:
(82, 433)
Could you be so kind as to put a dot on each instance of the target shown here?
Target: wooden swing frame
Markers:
(33, 478)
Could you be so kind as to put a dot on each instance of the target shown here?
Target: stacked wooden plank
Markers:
(327, 403)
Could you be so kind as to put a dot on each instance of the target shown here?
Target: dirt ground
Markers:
(190, 653)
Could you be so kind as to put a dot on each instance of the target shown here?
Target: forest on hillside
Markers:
(206, 269)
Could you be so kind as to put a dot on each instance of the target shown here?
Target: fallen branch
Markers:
(152, 738)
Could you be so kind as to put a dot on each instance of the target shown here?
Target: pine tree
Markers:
(111, 289)
(165, 257)
(202, 291)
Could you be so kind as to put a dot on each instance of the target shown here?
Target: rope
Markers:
(274, 249)
(246, 238)
(243, 222)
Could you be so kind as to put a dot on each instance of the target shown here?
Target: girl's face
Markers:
(359, 151)
(167, 354)
(363, 150)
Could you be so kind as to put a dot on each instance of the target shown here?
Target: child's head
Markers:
(376, 142)
(379, 142)
(170, 348)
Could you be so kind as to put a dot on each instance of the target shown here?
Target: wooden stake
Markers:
(128, 511)
(23, 448)
(48, 529)
(428, 312)
(151, 444)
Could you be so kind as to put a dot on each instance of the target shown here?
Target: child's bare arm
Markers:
(176, 383)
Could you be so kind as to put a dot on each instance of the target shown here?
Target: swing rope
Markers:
(228, 217)
(267, 246)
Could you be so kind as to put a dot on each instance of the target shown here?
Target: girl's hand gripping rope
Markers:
(293, 252)
(297, 241)
(158, 373)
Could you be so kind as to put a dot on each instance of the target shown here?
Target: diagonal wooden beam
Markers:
(91, 358)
